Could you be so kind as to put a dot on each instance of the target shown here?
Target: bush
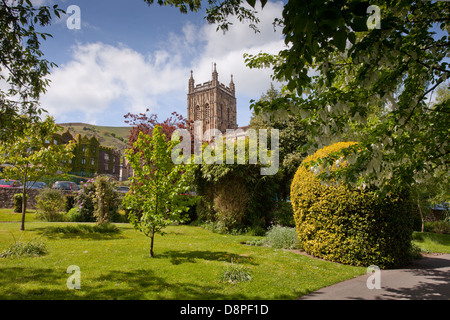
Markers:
(74, 215)
(84, 201)
(69, 202)
(282, 237)
(442, 227)
(284, 215)
(350, 225)
(18, 202)
(98, 201)
(106, 199)
(50, 203)
(235, 196)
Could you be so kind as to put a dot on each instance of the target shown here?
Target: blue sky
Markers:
(128, 56)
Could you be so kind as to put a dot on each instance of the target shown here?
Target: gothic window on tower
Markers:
(207, 111)
(197, 113)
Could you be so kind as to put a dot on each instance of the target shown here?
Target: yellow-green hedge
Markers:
(347, 225)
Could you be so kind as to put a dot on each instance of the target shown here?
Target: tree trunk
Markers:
(151, 242)
(421, 215)
(24, 206)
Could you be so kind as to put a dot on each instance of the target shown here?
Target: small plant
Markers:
(235, 273)
(257, 242)
(19, 248)
(415, 252)
(282, 237)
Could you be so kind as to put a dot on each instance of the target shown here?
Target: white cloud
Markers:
(100, 75)
(101, 79)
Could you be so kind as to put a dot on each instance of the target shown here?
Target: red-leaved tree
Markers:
(144, 123)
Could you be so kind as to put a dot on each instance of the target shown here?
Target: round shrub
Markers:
(350, 225)
(74, 215)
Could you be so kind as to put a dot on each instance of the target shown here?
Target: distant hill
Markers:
(114, 137)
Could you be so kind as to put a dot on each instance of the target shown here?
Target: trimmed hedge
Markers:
(349, 225)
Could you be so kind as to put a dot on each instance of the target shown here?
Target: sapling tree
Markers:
(33, 156)
(157, 195)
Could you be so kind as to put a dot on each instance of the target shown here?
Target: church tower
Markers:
(213, 103)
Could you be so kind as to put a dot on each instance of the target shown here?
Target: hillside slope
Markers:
(114, 137)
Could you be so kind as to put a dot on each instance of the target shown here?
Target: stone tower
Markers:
(213, 103)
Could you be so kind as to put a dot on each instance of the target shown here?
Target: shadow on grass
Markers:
(83, 231)
(44, 284)
(179, 256)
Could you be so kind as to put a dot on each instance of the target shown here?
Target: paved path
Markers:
(425, 279)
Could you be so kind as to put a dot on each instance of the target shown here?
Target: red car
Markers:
(10, 184)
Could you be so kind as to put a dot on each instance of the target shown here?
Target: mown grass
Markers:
(432, 242)
(189, 263)
(8, 215)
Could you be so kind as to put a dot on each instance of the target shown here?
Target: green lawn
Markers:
(10, 215)
(188, 264)
(432, 242)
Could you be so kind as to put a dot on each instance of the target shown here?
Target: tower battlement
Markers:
(213, 103)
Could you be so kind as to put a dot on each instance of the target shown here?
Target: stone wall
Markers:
(7, 197)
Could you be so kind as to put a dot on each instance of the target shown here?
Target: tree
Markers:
(33, 156)
(344, 58)
(393, 67)
(146, 123)
(22, 66)
(157, 194)
(292, 140)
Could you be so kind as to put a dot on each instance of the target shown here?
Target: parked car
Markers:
(10, 183)
(36, 185)
(65, 185)
(123, 189)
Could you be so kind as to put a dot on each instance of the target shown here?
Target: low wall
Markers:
(7, 197)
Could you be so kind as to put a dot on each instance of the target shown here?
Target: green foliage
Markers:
(23, 67)
(50, 204)
(283, 214)
(106, 199)
(235, 273)
(84, 201)
(74, 215)
(350, 225)
(280, 237)
(79, 229)
(18, 199)
(157, 193)
(97, 200)
(235, 196)
(442, 227)
(31, 158)
(69, 202)
(20, 248)
(359, 70)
